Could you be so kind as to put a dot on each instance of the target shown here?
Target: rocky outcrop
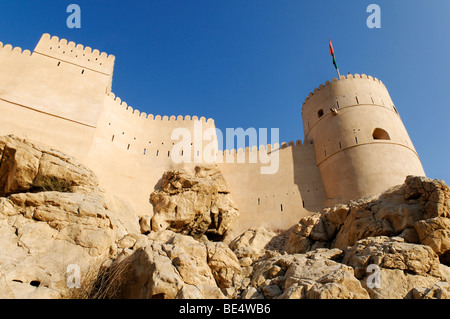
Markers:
(52, 216)
(194, 203)
(171, 265)
(28, 167)
(417, 211)
(399, 266)
(55, 221)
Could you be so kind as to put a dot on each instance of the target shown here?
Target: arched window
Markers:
(380, 134)
(320, 113)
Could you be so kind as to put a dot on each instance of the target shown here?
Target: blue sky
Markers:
(251, 63)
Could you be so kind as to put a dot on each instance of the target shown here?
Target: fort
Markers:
(355, 143)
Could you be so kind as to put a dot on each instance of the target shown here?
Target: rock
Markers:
(252, 243)
(196, 203)
(392, 253)
(271, 291)
(301, 276)
(417, 211)
(53, 216)
(5, 290)
(251, 293)
(26, 166)
(146, 224)
(173, 266)
(435, 232)
(440, 290)
(224, 265)
(323, 279)
(400, 266)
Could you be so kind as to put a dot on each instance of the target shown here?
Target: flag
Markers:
(334, 58)
(332, 54)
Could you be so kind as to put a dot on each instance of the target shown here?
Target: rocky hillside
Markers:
(61, 236)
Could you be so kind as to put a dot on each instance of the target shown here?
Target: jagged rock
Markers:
(26, 166)
(53, 215)
(435, 232)
(418, 211)
(312, 276)
(196, 203)
(172, 265)
(252, 243)
(223, 264)
(401, 266)
(440, 290)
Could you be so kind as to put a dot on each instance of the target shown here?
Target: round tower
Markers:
(362, 147)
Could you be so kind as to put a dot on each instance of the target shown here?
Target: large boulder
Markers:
(168, 265)
(417, 211)
(389, 268)
(53, 219)
(315, 275)
(26, 166)
(194, 203)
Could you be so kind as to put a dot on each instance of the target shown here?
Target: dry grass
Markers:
(101, 282)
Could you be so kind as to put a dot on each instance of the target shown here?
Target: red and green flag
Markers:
(334, 57)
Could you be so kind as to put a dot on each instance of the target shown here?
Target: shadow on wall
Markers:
(307, 177)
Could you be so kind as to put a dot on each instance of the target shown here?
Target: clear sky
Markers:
(251, 63)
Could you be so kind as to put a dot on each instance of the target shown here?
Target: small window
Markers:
(259, 201)
(357, 101)
(112, 140)
(320, 113)
(128, 147)
(303, 203)
(337, 104)
(281, 207)
(59, 63)
(145, 151)
(340, 145)
(356, 140)
(82, 72)
(380, 134)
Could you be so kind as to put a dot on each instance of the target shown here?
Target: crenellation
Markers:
(70, 52)
(9, 49)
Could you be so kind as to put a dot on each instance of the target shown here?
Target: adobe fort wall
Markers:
(131, 150)
(60, 96)
(279, 200)
(51, 96)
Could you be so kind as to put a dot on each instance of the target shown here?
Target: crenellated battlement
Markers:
(266, 149)
(8, 48)
(163, 118)
(342, 78)
(76, 54)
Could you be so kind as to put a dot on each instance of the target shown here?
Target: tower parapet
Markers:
(361, 144)
(76, 54)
